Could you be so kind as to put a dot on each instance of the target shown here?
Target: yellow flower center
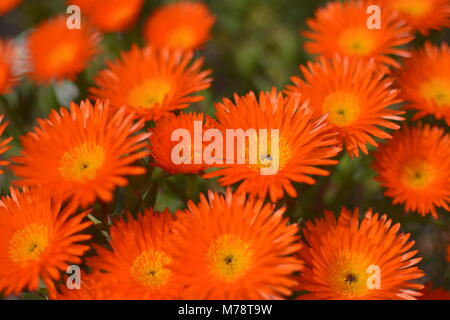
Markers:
(418, 174)
(182, 38)
(437, 90)
(229, 258)
(148, 93)
(359, 42)
(342, 108)
(416, 8)
(150, 268)
(270, 158)
(82, 162)
(28, 243)
(61, 56)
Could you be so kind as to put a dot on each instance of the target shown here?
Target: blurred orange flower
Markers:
(8, 77)
(179, 25)
(430, 293)
(342, 257)
(8, 5)
(4, 142)
(414, 168)
(152, 82)
(356, 95)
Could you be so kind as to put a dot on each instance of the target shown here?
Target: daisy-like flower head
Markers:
(341, 27)
(3, 142)
(170, 136)
(300, 140)
(152, 82)
(179, 25)
(140, 262)
(355, 93)
(233, 248)
(111, 15)
(57, 52)
(82, 153)
(350, 260)
(414, 168)
(425, 82)
(422, 15)
(38, 239)
(8, 5)
(8, 77)
(431, 293)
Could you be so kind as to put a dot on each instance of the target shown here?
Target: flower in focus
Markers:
(355, 93)
(162, 143)
(58, 53)
(152, 82)
(341, 27)
(3, 142)
(232, 248)
(422, 15)
(179, 25)
(414, 168)
(430, 293)
(8, 78)
(8, 5)
(341, 258)
(140, 263)
(82, 153)
(37, 239)
(425, 82)
(111, 15)
(304, 142)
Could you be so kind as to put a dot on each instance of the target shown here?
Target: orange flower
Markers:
(232, 248)
(152, 82)
(140, 263)
(82, 153)
(8, 78)
(3, 142)
(348, 260)
(179, 25)
(448, 253)
(414, 168)
(355, 93)
(111, 15)
(58, 53)
(163, 143)
(422, 15)
(304, 142)
(341, 27)
(8, 5)
(430, 293)
(425, 82)
(37, 240)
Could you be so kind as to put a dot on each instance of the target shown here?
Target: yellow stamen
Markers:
(148, 93)
(150, 268)
(82, 162)
(343, 108)
(181, 38)
(28, 243)
(416, 8)
(437, 90)
(359, 42)
(418, 174)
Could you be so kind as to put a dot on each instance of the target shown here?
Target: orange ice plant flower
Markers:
(350, 260)
(304, 142)
(422, 15)
(111, 15)
(139, 263)
(8, 5)
(356, 94)
(424, 81)
(432, 293)
(163, 144)
(152, 82)
(179, 25)
(232, 248)
(58, 53)
(82, 153)
(38, 239)
(341, 27)
(4, 143)
(414, 168)
(8, 76)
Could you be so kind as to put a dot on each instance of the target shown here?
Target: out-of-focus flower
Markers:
(110, 15)
(3, 142)
(341, 27)
(233, 248)
(179, 25)
(430, 293)
(152, 82)
(356, 94)
(8, 77)
(414, 167)
(57, 53)
(350, 260)
(8, 5)
(37, 240)
(82, 153)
